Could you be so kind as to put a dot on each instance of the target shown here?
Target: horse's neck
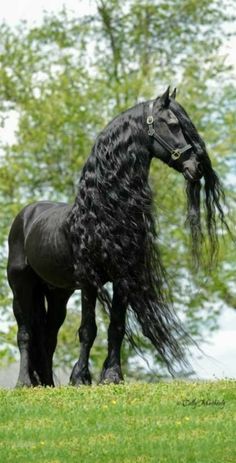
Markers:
(99, 181)
(118, 166)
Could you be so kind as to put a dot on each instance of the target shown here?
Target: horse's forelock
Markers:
(188, 128)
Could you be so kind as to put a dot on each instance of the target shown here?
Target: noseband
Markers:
(174, 153)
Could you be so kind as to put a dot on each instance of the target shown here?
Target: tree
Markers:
(68, 77)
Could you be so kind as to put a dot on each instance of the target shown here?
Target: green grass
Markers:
(167, 422)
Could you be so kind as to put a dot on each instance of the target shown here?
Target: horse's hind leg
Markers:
(56, 311)
(87, 333)
(38, 354)
(112, 372)
(22, 282)
(23, 341)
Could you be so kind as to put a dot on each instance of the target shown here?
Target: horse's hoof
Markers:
(80, 378)
(111, 376)
(77, 382)
(24, 383)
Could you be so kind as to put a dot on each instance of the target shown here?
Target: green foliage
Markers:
(66, 78)
(171, 422)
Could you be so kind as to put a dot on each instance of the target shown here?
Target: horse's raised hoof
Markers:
(80, 377)
(111, 376)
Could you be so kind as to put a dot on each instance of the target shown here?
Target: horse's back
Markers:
(24, 220)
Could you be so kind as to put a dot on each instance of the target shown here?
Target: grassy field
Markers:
(167, 422)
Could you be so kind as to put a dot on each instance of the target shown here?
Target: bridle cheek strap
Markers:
(174, 153)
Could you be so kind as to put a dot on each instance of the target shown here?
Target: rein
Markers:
(174, 153)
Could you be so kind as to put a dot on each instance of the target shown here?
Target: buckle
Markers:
(175, 154)
(151, 131)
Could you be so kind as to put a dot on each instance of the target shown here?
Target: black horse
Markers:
(108, 235)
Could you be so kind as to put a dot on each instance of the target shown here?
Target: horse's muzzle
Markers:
(192, 170)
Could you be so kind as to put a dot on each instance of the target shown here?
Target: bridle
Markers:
(174, 153)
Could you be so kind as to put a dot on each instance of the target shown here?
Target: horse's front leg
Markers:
(112, 372)
(87, 333)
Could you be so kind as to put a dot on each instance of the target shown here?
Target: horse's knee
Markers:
(23, 335)
(23, 338)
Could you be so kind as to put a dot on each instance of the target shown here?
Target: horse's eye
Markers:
(174, 126)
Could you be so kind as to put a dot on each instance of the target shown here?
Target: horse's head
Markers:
(169, 141)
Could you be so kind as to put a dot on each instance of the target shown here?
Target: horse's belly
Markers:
(52, 272)
(49, 267)
(50, 257)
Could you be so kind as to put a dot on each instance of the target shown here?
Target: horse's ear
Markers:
(165, 98)
(173, 94)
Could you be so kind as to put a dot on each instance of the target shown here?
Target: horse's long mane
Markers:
(213, 193)
(112, 224)
(108, 219)
(113, 233)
